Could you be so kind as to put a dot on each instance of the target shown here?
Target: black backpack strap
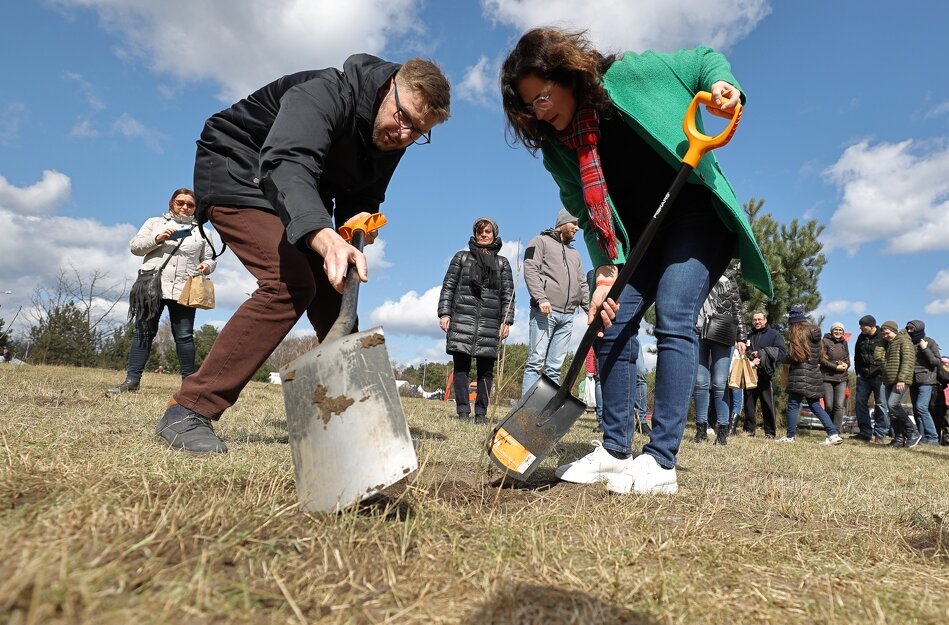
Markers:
(214, 252)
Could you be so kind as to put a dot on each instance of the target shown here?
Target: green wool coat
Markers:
(652, 92)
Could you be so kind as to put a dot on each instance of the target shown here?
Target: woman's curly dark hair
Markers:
(565, 57)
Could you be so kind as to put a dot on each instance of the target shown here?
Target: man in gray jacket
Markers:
(555, 281)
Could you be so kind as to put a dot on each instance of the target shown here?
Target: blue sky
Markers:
(847, 123)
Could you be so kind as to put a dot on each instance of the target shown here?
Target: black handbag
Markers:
(145, 294)
(720, 328)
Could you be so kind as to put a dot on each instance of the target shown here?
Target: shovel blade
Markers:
(347, 429)
(527, 435)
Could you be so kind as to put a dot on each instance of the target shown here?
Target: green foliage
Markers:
(204, 338)
(795, 258)
(4, 337)
(114, 349)
(64, 337)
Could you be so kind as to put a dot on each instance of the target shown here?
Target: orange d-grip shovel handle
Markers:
(700, 143)
(367, 224)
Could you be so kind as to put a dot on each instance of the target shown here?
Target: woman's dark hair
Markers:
(182, 191)
(565, 57)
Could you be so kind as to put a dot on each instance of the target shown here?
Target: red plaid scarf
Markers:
(582, 135)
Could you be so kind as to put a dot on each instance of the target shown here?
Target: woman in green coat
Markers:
(610, 131)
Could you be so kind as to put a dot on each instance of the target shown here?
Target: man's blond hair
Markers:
(425, 78)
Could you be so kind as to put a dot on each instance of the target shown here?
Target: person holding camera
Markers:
(171, 243)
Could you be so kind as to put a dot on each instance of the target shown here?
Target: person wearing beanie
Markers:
(924, 377)
(476, 310)
(834, 364)
(557, 285)
(763, 341)
(805, 383)
(898, 359)
(870, 382)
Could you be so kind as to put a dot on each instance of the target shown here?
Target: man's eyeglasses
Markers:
(405, 122)
(541, 102)
(184, 203)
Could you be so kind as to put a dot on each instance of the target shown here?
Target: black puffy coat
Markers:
(805, 378)
(475, 321)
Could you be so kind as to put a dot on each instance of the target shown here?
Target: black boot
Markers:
(721, 434)
(732, 423)
(898, 441)
(129, 386)
(700, 434)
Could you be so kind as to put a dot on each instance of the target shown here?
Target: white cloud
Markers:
(242, 46)
(937, 307)
(88, 90)
(411, 314)
(890, 193)
(480, 83)
(37, 199)
(10, 119)
(376, 255)
(130, 128)
(940, 109)
(841, 307)
(940, 284)
(83, 128)
(646, 24)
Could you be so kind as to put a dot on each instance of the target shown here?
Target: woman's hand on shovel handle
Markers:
(726, 97)
(606, 309)
(337, 255)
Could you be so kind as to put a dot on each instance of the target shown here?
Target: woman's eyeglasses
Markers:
(184, 203)
(541, 102)
(405, 122)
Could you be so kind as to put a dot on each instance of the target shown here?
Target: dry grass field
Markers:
(101, 524)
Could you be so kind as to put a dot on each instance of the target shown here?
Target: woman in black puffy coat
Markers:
(805, 381)
(476, 310)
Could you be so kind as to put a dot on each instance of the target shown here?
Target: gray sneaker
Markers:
(913, 439)
(187, 430)
(129, 386)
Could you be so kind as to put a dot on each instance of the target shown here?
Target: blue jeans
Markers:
(641, 389)
(903, 425)
(689, 253)
(924, 420)
(737, 400)
(880, 426)
(549, 341)
(794, 409)
(715, 362)
(182, 329)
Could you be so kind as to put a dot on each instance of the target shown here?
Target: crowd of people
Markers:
(278, 171)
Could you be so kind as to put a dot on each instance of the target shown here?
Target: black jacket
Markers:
(864, 361)
(475, 321)
(767, 337)
(298, 146)
(926, 362)
(804, 378)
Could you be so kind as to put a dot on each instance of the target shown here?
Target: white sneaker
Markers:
(786, 439)
(833, 439)
(593, 467)
(644, 476)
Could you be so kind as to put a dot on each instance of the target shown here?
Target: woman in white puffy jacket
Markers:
(158, 239)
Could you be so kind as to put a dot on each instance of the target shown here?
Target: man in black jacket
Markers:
(762, 336)
(870, 380)
(273, 173)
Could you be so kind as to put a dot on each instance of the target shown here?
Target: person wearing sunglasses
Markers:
(610, 131)
(171, 243)
(276, 174)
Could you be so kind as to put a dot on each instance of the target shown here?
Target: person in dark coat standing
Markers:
(476, 310)
(762, 336)
(870, 381)
(834, 364)
(805, 382)
(276, 174)
(924, 377)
